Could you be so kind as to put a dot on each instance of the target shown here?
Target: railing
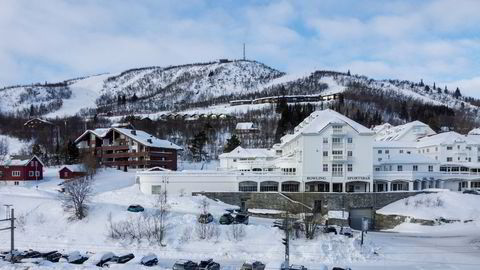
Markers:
(338, 158)
(136, 162)
(337, 145)
(113, 147)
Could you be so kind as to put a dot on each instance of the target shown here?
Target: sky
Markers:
(54, 40)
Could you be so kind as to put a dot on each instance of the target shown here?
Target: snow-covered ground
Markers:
(44, 226)
(14, 144)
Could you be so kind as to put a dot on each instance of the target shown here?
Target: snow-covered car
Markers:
(185, 265)
(301, 267)
(52, 256)
(105, 258)
(226, 219)
(208, 265)
(241, 218)
(256, 265)
(124, 258)
(205, 218)
(149, 260)
(347, 231)
(76, 258)
(340, 268)
(135, 208)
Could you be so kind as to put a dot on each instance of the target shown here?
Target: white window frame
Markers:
(15, 173)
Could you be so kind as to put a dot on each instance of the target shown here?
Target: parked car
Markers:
(340, 268)
(76, 258)
(149, 260)
(347, 231)
(52, 256)
(299, 267)
(471, 191)
(105, 258)
(208, 265)
(185, 265)
(135, 208)
(256, 265)
(330, 229)
(226, 219)
(241, 218)
(205, 218)
(123, 259)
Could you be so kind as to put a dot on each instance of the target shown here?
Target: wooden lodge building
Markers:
(125, 147)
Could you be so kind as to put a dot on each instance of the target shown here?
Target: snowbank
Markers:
(445, 204)
(265, 211)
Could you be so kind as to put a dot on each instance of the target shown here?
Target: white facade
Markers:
(329, 152)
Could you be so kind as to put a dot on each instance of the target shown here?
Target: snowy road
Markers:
(455, 250)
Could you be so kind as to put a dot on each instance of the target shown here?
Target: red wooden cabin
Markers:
(21, 169)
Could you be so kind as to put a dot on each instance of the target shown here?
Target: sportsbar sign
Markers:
(358, 178)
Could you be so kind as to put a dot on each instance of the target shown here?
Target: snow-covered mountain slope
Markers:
(186, 87)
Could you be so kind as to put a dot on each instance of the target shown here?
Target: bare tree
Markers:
(90, 164)
(237, 231)
(76, 196)
(3, 149)
(205, 229)
(160, 217)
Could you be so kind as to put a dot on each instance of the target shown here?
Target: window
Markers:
(31, 173)
(15, 173)
(415, 168)
(350, 167)
(65, 174)
(325, 140)
(399, 168)
(449, 148)
(37, 173)
(156, 189)
(337, 169)
(430, 168)
(449, 159)
(387, 151)
(377, 169)
(325, 167)
(401, 151)
(436, 148)
(337, 152)
(428, 150)
(350, 140)
(247, 186)
(267, 186)
(350, 153)
(336, 140)
(379, 151)
(458, 147)
(325, 153)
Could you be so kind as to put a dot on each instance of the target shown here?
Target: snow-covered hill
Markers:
(186, 87)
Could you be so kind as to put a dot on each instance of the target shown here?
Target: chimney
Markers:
(149, 140)
(133, 132)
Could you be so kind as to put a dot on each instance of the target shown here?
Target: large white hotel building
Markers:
(329, 152)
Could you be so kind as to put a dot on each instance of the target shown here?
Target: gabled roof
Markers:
(241, 152)
(74, 167)
(20, 160)
(398, 132)
(319, 120)
(137, 135)
(394, 144)
(147, 139)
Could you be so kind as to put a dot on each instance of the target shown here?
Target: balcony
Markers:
(339, 132)
(338, 145)
(113, 147)
(338, 158)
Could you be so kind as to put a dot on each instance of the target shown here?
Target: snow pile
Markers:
(431, 206)
(265, 211)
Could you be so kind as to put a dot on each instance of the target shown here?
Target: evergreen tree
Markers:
(348, 73)
(446, 90)
(119, 100)
(457, 93)
(124, 99)
(134, 97)
(232, 143)
(72, 153)
(421, 82)
(37, 150)
(197, 145)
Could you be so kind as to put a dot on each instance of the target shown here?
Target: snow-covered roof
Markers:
(241, 152)
(394, 144)
(19, 160)
(137, 135)
(147, 139)
(74, 167)
(245, 126)
(398, 132)
(451, 137)
(319, 120)
(382, 127)
(412, 158)
(39, 120)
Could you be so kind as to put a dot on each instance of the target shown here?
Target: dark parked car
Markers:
(241, 218)
(205, 218)
(340, 268)
(149, 260)
(105, 258)
(208, 265)
(226, 219)
(124, 258)
(297, 267)
(185, 265)
(330, 229)
(76, 258)
(256, 265)
(136, 208)
(471, 191)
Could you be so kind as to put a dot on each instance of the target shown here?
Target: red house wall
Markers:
(24, 172)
